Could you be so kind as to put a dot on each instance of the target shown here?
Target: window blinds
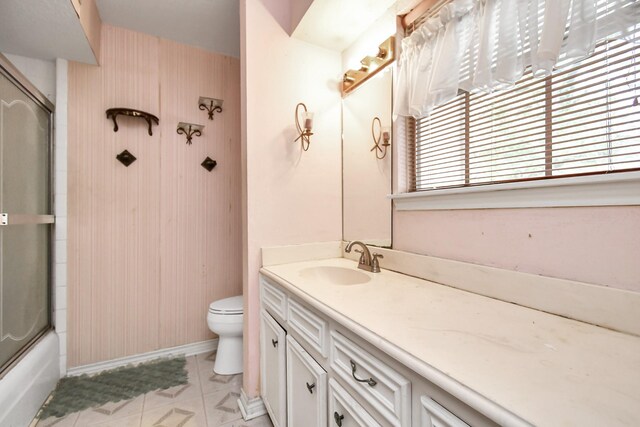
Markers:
(582, 119)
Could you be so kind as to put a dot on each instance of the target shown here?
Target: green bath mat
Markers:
(73, 394)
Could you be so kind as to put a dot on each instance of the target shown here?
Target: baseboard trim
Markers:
(186, 350)
(251, 407)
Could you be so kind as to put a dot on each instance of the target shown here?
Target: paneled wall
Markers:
(152, 244)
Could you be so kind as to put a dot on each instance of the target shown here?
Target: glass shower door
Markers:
(25, 219)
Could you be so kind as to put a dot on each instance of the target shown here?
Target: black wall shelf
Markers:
(112, 113)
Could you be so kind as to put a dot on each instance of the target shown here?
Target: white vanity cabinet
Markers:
(273, 369)
(306, 388)
(317, 374)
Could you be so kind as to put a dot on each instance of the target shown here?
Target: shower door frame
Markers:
(8, 70)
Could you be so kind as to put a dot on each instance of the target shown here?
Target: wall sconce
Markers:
(383, 133)
(210, 105)
(371, 65)
(190, 130)
(304, 132)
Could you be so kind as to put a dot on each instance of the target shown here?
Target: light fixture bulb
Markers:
(308, 121)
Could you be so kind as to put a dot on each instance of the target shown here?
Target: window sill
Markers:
(599, 190)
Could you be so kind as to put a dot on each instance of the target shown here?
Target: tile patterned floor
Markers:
(208, 400)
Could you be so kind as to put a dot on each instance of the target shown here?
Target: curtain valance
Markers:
(486, 45)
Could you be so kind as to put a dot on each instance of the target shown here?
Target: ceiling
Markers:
(45, 29)
(336, 24)
(213, 25)
(49, 29)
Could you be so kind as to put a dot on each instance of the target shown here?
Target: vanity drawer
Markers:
(273, 299)
(379, 384)
(311, 328)
(432, 414)
(344, 411)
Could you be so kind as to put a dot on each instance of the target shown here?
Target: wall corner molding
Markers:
(251, 407)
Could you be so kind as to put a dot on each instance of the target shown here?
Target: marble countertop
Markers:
(517, 365)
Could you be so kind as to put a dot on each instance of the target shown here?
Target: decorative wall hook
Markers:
(211, 105)
(112, 113)
(189, 129)
(126, 158)
(370, 66)
(304, 132)
(209, 164)
(384, 133)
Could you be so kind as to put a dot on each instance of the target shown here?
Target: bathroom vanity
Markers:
(344, 347)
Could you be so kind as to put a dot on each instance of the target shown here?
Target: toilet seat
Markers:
(227, 306)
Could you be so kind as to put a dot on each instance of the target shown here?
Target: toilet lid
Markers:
(231, 305)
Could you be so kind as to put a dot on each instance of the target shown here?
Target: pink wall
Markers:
(290, 197)
(152, 244)
(598, 245)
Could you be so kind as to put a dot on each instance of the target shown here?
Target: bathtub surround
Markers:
(60, 208)
(151, 245)
(40, 72)
(27, 384)
(50, 78)
(25, 387)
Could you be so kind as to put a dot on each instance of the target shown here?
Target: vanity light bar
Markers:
(371, 65)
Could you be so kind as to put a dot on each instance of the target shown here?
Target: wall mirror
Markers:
(366, 179)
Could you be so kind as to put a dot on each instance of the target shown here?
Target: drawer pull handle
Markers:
(274, 342)
(370, 381)
(338, 418)
(310, 387)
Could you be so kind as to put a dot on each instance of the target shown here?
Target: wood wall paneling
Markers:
(151, 245)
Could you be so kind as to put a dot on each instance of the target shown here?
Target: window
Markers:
(582, 120)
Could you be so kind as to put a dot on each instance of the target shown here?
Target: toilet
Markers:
(225, 320)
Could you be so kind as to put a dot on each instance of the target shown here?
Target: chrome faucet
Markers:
(367, 261)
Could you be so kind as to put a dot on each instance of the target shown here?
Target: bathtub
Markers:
(27, 385)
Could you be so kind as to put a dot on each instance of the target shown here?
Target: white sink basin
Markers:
(335, 275)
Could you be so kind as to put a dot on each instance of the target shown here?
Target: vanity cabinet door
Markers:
(345, 411)
(306, 388)
(273, 367)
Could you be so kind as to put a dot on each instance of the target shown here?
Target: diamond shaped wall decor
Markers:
(126, 158)
(209, 164)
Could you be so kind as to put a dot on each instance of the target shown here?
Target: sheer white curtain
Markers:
(486, 45)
